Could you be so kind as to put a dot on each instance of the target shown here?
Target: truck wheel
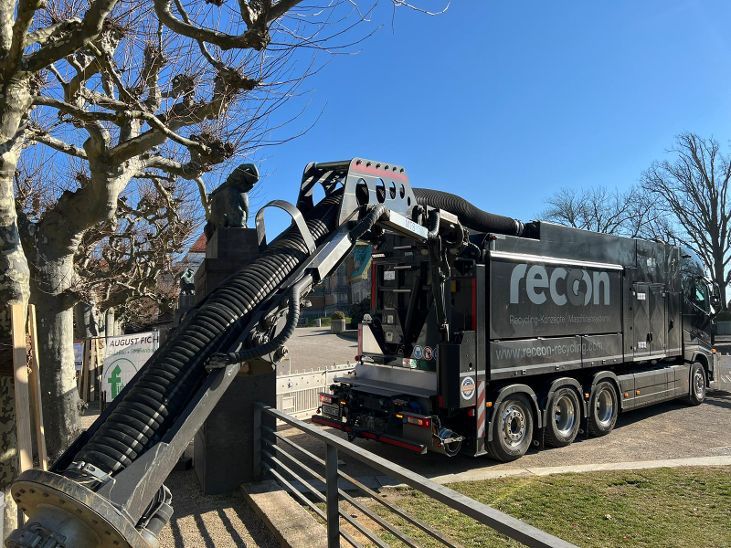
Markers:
(697, 393)
(512, 429)
(603, 409)
(563, 418)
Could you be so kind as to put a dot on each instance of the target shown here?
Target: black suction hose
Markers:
(469, 215)
(176, 369)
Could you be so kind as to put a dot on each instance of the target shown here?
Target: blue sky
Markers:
(506, 102)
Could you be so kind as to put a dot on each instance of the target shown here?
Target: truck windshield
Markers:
(698, 294)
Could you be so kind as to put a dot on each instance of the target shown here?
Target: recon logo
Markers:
(561, 285)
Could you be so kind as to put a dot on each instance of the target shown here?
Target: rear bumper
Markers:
(411, 446)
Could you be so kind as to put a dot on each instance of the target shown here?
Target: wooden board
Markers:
(85, 371)
(22, 392)
(35, 390)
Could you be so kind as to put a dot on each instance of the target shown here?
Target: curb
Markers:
(289, 522)
(479, 475)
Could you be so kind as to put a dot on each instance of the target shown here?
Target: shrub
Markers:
(338, 315)
(358, 310)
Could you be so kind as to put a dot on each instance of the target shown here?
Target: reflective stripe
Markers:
(481, 411)
(552, 260)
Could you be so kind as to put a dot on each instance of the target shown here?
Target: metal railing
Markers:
(298, 393)
(311, 487)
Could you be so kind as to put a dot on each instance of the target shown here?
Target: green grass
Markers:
(660, 507)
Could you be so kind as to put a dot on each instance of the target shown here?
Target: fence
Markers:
(287, 467)
(298, 393)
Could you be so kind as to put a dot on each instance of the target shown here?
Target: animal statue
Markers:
(230, 201)
(187, 282)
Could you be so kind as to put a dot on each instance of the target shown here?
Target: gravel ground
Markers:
(218, 521)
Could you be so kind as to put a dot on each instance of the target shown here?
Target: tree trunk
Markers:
(15, 103)
(54, 310)
(86, 321)
(8, 434)
(720, 278)
(110, 323)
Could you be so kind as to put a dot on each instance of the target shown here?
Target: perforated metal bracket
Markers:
(297, 217)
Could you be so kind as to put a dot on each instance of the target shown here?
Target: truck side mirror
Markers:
(715, 296)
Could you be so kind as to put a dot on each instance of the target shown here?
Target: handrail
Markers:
(499, 521)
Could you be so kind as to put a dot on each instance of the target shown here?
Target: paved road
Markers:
(667, 431)
(316, 348)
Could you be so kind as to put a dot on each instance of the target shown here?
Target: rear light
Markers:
(416, 420)
(326, 398)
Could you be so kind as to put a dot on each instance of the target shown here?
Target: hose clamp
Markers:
(90, 470)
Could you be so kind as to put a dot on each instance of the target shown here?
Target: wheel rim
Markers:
(514, 425)
(604, 408)
(699, 384)
(564, 415)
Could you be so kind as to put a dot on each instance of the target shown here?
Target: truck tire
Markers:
(697, 392)
(563, 418)
(603, 409)
(512, 428)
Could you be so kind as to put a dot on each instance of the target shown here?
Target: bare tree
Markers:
(692, 187)
(129, 258)
(116, 107)
(628, 213)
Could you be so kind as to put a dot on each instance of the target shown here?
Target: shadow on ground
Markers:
(210, 521)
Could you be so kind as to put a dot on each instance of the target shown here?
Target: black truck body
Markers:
(559, 311)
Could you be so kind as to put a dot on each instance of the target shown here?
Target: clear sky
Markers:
(506, 102)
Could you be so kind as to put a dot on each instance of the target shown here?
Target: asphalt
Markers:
(317, 348)
(665, 432)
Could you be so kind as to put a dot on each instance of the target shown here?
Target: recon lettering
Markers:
(560, 285)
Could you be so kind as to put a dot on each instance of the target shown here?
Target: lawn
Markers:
(660, 507)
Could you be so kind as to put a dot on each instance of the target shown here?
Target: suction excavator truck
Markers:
(494, 335)
(485, 335)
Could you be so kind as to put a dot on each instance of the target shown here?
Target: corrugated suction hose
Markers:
(469, 215)
(176, 370)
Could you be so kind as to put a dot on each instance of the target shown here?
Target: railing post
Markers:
(257, 442)
(333, 510)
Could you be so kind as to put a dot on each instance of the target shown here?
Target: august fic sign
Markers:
(125, 355)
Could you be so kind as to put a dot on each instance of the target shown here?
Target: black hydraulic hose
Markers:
(367, 222)
(293, 318)
(434, 224)
(469, 215)
(173, 373)
(295, 300)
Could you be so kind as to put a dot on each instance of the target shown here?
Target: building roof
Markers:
(199, 246)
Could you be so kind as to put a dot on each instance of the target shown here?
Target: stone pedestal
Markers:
(227, 251)
(223, 447)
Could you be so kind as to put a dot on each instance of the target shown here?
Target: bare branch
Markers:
(40, 136)
(78, 34)
(255, 37)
